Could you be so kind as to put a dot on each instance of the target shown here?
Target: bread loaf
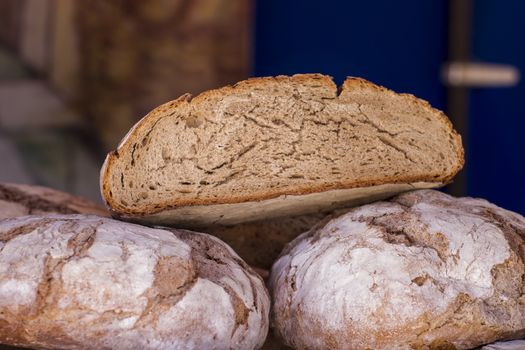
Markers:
(422, 271)
(506, 345)
(271, 147)
(260, 242)
(19, 200)
(86, 282)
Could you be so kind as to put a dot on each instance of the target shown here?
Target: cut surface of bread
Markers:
(271, 141)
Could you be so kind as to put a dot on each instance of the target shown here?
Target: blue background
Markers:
(402, 45)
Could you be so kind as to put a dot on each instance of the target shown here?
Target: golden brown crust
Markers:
(249, 84)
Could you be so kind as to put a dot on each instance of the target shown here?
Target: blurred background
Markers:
(76, 75)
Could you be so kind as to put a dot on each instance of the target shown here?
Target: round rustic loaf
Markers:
(423, 271)
(20, 200)
(86, 282)
(260, 242)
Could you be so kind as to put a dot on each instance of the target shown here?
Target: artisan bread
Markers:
(86, 282)
(19, 200)
(270, 147)
(422, 271)
(260, 242)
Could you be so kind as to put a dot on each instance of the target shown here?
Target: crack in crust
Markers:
(50, 286)
(209, 259)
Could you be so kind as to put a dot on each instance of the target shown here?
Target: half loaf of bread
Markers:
(270, 147)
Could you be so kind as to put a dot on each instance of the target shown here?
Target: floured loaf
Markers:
(270, 147)
(86, 282)
(506, 345)
(423, 271)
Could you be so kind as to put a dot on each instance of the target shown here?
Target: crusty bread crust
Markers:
(350, 86)
(21, 199)
(233, 213)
